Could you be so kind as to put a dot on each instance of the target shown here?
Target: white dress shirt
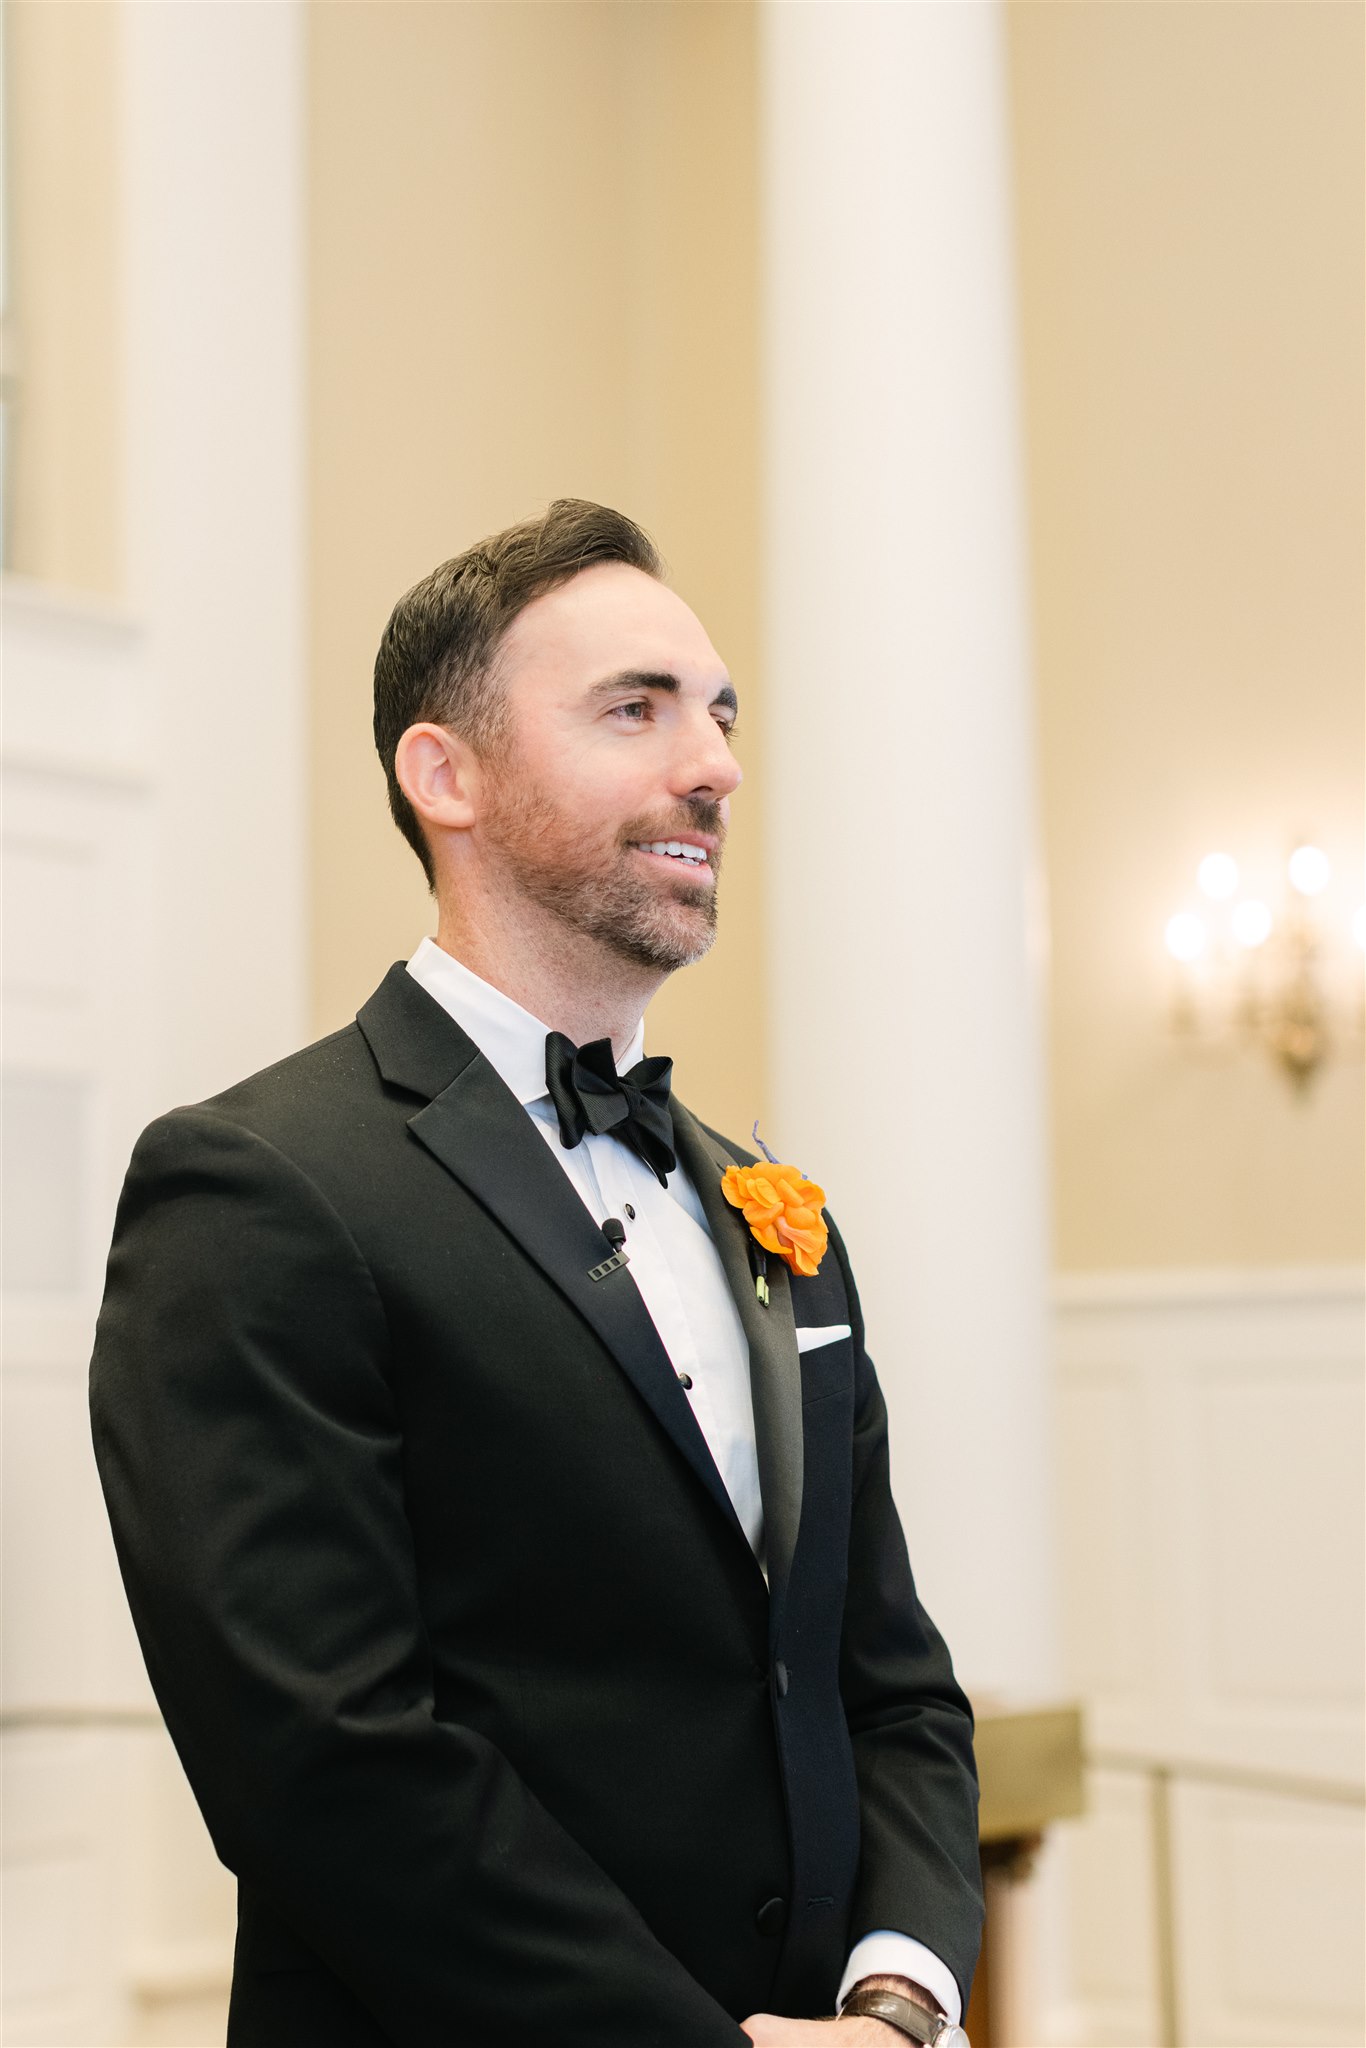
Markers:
(676, 1266)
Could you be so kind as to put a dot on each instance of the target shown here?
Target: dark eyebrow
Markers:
(649, 679)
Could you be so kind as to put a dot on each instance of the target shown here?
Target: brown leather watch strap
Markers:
(916, 2021)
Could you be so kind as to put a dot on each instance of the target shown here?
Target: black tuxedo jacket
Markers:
(471, 1667)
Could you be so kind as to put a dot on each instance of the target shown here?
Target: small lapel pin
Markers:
(758, 1264)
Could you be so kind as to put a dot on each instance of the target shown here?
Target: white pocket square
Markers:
(816, 1334)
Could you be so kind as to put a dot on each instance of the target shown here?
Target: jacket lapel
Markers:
(774, 1366)
(479, 1132)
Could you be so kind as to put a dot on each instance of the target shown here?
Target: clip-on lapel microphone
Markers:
(615, 1233)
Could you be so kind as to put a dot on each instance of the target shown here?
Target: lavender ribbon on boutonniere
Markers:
(783, 1211)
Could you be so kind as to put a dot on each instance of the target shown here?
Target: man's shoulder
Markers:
(317, 1101)
(316, 1075)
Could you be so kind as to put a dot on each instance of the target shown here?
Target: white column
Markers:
(214, 116)
(214, 122)
(906, 927)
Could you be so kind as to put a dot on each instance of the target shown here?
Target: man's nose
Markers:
(708, 767)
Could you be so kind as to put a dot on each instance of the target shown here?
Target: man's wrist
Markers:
(900, 2013)
(904, 1987)
(885, 1954)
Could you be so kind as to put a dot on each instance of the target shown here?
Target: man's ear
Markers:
(439, 774)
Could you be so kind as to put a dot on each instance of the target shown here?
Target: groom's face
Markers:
(618, 747)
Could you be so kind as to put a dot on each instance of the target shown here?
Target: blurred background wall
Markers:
(516, 294)
(301, 300)
(1189, 198)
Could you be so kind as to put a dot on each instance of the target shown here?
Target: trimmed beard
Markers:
(542, 853)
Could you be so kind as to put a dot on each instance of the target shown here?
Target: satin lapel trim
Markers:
(481, 1134)
(775, 1373)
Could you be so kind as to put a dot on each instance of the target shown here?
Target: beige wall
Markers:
(1190, 218)
(534, 268)
(63, 354)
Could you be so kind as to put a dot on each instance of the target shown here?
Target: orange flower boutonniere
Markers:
(782, 1210)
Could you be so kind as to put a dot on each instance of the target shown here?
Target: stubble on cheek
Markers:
(601, 890)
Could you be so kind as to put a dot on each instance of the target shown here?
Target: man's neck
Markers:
(573, 984)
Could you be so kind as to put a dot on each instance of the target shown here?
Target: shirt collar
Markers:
(509, 1037)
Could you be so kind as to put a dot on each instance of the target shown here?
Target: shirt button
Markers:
(630, 1212)
(780, 1679)
(685, 1379)
(771, 1917)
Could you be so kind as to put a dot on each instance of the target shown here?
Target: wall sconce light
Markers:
(1281, 979)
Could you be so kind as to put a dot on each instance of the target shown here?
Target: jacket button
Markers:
(771, 1917)
(685, 1379)
(780, 1678)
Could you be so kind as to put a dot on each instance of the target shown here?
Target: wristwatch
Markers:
(929, 2028)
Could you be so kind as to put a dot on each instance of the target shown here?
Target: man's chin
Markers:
(659, 924)
(666, 943)
(666, 952)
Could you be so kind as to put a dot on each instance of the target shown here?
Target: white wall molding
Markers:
(1211, 1488)
(75, 688)
(1219, 1286)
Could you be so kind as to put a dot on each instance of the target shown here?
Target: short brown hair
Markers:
(436, 659)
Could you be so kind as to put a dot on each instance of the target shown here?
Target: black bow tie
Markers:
(590, 1095)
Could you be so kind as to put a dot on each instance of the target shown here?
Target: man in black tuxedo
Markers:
(507, 1529)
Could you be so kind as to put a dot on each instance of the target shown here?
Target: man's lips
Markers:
(687, 853)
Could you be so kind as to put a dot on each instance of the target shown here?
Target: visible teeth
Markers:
(697, 854)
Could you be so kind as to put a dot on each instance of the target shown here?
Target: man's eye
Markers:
(636, 705)
(728, 726)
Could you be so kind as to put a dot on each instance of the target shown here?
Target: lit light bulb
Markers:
(1359, 927)
(1218, 875)
(1185, 936)
(1309, 870)
(1251, 923)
